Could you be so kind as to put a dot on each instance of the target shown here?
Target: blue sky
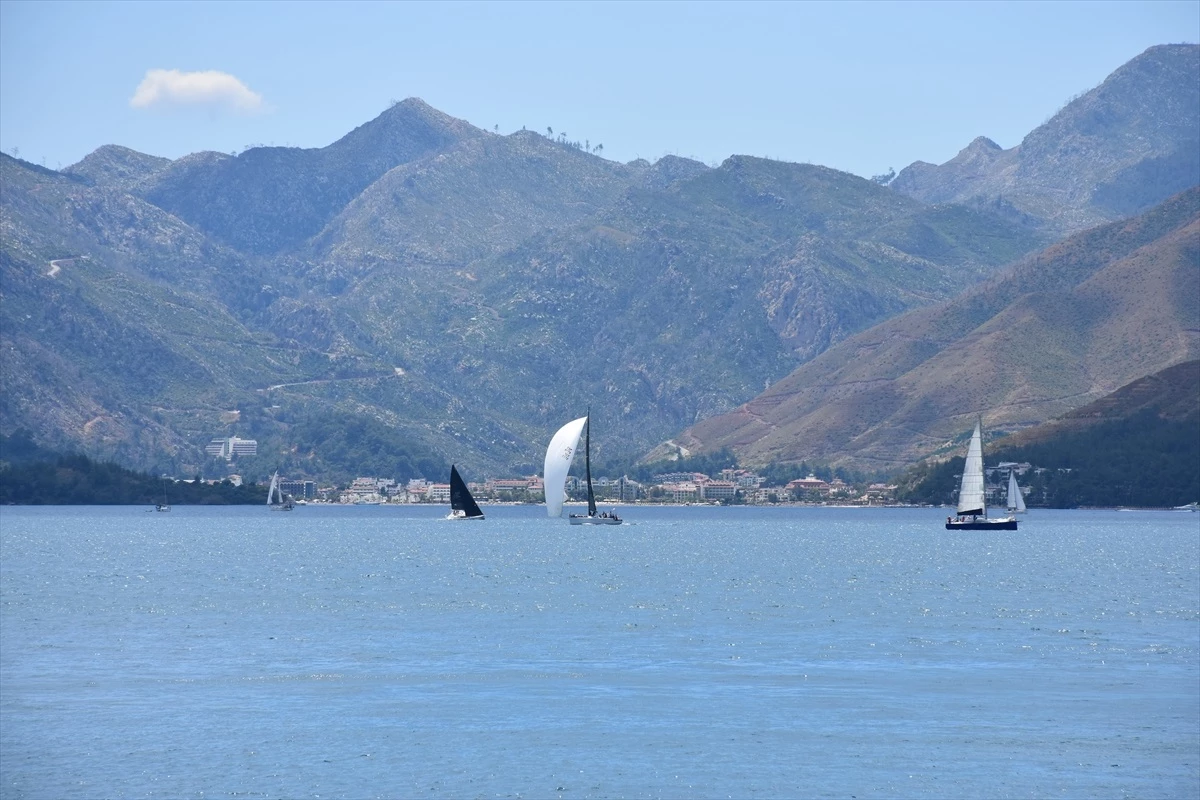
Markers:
(855, 86)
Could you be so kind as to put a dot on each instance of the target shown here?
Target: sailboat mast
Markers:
(587, 463)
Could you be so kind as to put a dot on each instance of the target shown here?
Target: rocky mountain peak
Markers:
(1119, 149)
(116, 166)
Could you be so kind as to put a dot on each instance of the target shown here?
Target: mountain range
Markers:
(422, 291)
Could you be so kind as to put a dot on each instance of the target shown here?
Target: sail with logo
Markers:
(559, 456)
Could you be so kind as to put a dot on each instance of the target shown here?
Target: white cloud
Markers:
(208, 88)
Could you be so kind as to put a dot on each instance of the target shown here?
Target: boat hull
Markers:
(982, 525)
(456, 515)
(582, 520)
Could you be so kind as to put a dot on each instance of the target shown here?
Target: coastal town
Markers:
(726, 487)
(729, 487)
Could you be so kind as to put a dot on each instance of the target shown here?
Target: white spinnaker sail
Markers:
(559, 455)
(1015, 501)
(970, 494)
(274, 487)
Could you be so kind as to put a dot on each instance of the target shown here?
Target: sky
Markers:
(857, 86)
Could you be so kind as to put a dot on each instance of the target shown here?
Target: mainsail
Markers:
(1016, 503)
(970, 494)
(558, 463)
(587, 461)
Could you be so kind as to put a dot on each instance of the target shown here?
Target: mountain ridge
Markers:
(1072, 172)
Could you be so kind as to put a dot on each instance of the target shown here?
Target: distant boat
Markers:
(165, 505)
(276, 499)
(972, 505)
(1187, 507)
(462, 504)
(1016, 503)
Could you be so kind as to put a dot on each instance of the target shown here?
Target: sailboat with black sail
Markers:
(462, 504)
(972, 503)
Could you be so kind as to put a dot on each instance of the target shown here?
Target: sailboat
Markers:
(1016, 503)
(559, 456)
(972, 505)
(462, 504)
(276, 501)
(165, 505)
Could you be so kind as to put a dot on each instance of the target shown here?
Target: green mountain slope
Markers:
(660, 296)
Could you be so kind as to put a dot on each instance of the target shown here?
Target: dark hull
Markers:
(983, 525)
(575, 519)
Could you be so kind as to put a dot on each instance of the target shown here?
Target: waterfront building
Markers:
(301, 490)
(718, 490)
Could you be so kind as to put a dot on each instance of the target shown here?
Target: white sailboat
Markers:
(559, 456)
(165, 505)
(972, 504)
(276, 501)
(1016, 503)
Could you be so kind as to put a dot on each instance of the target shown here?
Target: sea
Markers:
(694, 652)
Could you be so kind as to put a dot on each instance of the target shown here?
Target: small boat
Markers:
(462, 504)
(276, 499)
(1016, 503)
(165, 505)
(972, 505)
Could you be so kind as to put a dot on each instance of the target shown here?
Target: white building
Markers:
(718, 490)
(233, 446)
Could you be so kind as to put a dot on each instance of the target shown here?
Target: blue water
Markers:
(368, 652)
